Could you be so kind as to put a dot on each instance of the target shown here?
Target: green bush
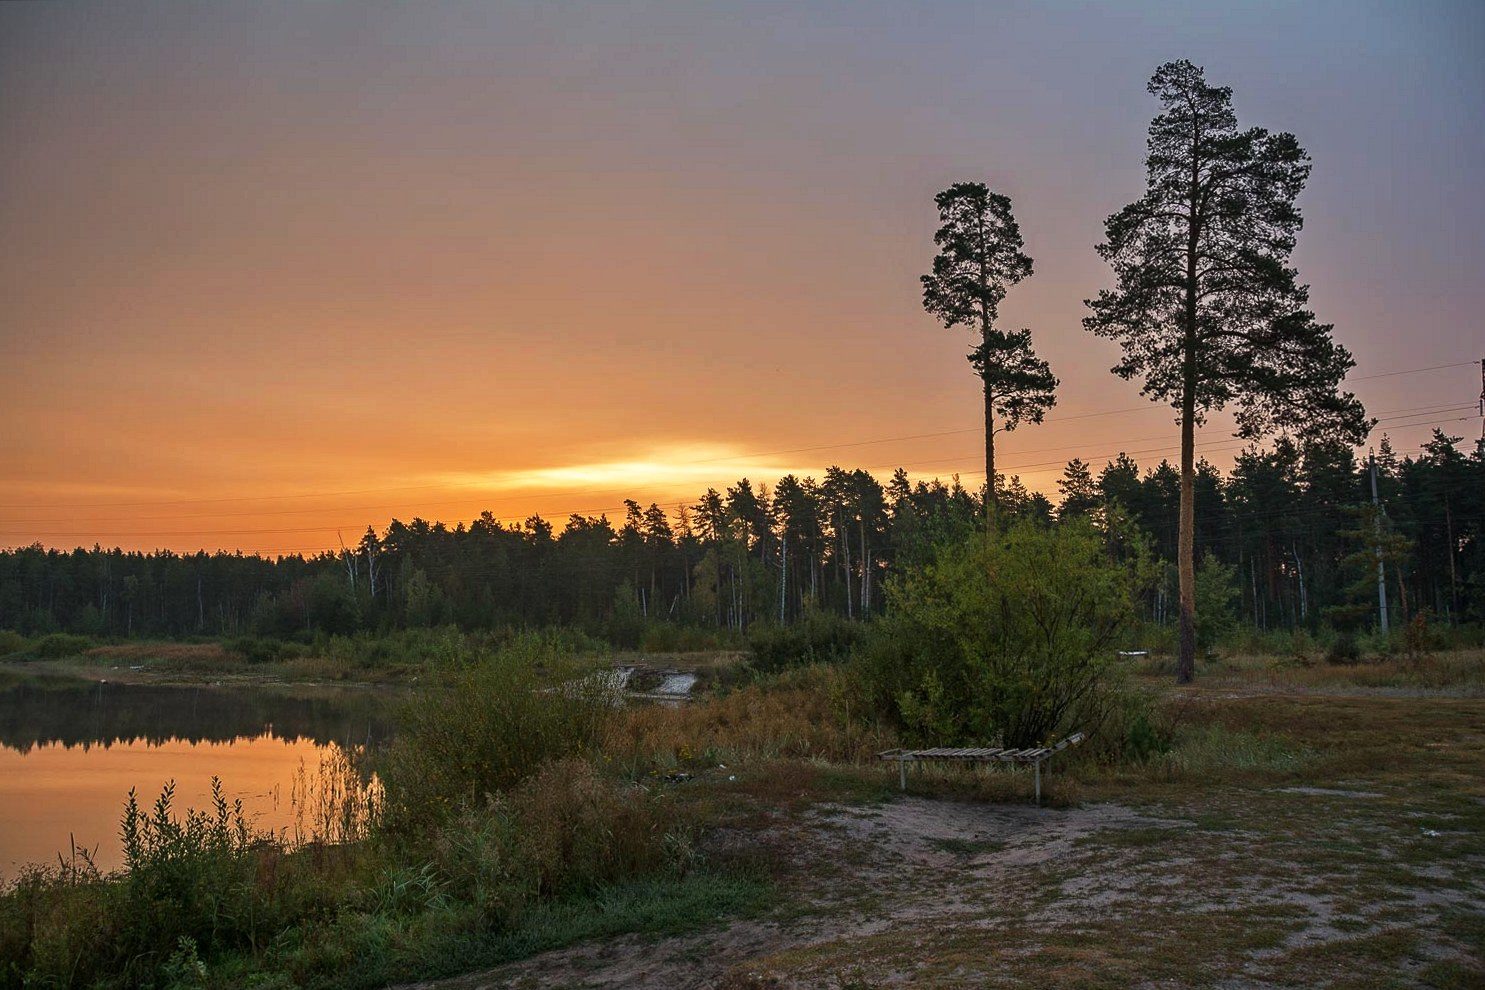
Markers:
(191, 877)
(260, 650)
(565, 830)
(54, 646)
(672, 637)
(1217, 598)
(1134, 729)
(1007, 638)
(489, 727)
(818, 637)
(55, 925)
(12, 642)
(1344, 650)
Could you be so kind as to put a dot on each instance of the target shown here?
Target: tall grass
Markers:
(334, 804)
(567, 829)
(194, 885)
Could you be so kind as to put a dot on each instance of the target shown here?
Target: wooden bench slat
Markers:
(981, 753)
(1035, 756)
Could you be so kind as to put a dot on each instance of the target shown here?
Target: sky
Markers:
(277, 271)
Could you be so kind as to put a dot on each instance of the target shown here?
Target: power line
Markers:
(487, 502)
(1415, 371)
(229, 498)
(1211, 445)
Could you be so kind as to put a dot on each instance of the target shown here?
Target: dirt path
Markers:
(942, 893)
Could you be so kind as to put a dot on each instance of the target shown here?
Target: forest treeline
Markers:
(1286, 540)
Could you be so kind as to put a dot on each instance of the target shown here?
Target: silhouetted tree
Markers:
(1283, 524)
(979, 258)
(1207, 307)
(1079, 493)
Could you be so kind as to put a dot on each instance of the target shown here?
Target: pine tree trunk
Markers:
(1185, 549)
(1453, 576)
(992, 502)
(849, 573)
(1186, 539)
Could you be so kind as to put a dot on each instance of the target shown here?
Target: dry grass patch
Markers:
(809, 714)
(189, 657)
(1450, 672)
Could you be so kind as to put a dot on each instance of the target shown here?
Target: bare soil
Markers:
(921, 892)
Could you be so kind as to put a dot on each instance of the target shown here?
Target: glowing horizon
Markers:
(283, 271)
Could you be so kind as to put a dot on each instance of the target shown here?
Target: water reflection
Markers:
(70, 751)
(36, 711)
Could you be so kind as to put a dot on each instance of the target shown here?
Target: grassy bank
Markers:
(495, 826)
(397, 657)
(522, 812)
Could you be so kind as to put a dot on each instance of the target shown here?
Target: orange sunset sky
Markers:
(274, 271)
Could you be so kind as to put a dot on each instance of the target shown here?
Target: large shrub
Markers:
(487, 728)
(1007, 638)
(54, 646)
(1217, 598)
(818, 637)
(567, 829)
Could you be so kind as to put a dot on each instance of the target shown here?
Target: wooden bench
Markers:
(1036, 756)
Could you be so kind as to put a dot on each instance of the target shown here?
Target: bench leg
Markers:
(1038, 783)
(902, 774)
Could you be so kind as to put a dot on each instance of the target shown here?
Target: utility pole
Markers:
(1381, 569)
(1482, 402)
(783, 574)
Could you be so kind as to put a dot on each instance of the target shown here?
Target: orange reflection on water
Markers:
(54, 791)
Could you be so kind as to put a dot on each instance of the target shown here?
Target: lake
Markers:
(70, 751)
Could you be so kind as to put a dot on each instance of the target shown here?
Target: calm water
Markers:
(70, 751)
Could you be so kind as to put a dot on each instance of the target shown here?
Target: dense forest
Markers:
(1286, 540)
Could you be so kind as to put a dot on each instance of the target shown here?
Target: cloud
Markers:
(677, 466)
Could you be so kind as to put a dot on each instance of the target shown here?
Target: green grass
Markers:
(372, 950)
(1225, 871)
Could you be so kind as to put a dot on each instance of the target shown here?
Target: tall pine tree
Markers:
(979, 258)
(1207, 306)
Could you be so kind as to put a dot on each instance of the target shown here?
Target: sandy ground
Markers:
(921, 892)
